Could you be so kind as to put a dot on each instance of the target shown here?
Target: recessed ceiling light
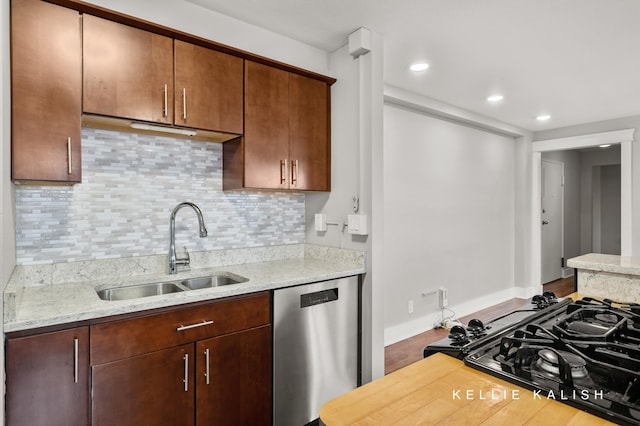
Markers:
(495, 98)
(606, 145)
(419, 66)
(543, 117)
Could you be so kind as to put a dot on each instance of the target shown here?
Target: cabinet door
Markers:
(128, 72)
(266, 127)
(209, 89)
(151, 389)
(309, 137)
(46, 83)
(234, 379)
(47, 379)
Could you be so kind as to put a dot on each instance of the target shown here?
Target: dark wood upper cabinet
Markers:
(139, 75)
(286, 143)
(208, 89)
(47, 379)
(128, 72)
(46, 84)
(106, 69)
(266, 128)
(309, 133)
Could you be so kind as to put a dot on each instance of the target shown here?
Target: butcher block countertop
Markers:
(442, 390)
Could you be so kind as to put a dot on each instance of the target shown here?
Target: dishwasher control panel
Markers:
(318, 297)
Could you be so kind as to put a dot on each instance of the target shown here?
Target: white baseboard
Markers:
(567, 272)
(396, 333)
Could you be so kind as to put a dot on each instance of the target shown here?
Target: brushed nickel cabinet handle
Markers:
(206, 365)
(283, 171)
(186, 372)
(294, 172)
(200, 324)
(184, 103)
(75, 359)
(69, 159)
(165, 109)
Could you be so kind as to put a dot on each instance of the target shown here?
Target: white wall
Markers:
(356, 155)
(449, 216)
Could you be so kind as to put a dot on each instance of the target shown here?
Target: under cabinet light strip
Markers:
(150, 127)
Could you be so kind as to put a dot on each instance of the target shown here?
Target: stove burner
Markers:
(606, 318)
(585, 327)
(592, 323)
(549, 362)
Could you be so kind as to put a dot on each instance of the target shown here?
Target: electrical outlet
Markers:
(410, 306)
(443, 297)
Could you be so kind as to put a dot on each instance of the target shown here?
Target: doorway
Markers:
(552, 225)
(622, 137)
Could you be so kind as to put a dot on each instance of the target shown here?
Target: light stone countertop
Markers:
(41, 296)
(606, 263)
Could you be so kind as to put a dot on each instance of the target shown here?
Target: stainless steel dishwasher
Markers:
(315, 346)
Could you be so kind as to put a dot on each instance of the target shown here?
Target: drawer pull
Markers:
(294, 172)
(206, 372)
(184, 103)
(200, 324)
(283, 171)
(186, 372)
(165, 109)
(75, 360)
(69, 159)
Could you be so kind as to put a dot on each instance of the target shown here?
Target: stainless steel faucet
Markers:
(174, 261)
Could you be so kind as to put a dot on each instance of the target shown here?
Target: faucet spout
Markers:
(174, 261)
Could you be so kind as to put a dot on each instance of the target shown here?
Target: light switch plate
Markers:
(321, 222)
(357, 224)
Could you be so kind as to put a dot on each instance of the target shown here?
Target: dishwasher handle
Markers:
(318, 297)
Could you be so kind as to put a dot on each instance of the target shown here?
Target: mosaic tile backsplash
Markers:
(130, 184)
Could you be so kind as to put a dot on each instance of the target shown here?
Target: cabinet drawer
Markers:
(122, 339)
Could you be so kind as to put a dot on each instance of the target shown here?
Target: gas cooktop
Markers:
(461, 339)
(584, 353)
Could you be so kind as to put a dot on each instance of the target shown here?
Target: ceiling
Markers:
(576, 60)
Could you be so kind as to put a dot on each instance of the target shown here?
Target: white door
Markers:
(552, 218)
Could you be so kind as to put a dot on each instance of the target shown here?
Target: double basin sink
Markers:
(167, 287)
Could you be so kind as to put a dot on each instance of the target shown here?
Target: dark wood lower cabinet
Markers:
(47, 379)
(208, 364)
(237, 388)
(148, 389)
(205, 364)
(228, 382)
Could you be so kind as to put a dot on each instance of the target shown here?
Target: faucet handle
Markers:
(183, 260)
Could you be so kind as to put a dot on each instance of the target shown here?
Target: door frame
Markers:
(622, 137)
(561, 164)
